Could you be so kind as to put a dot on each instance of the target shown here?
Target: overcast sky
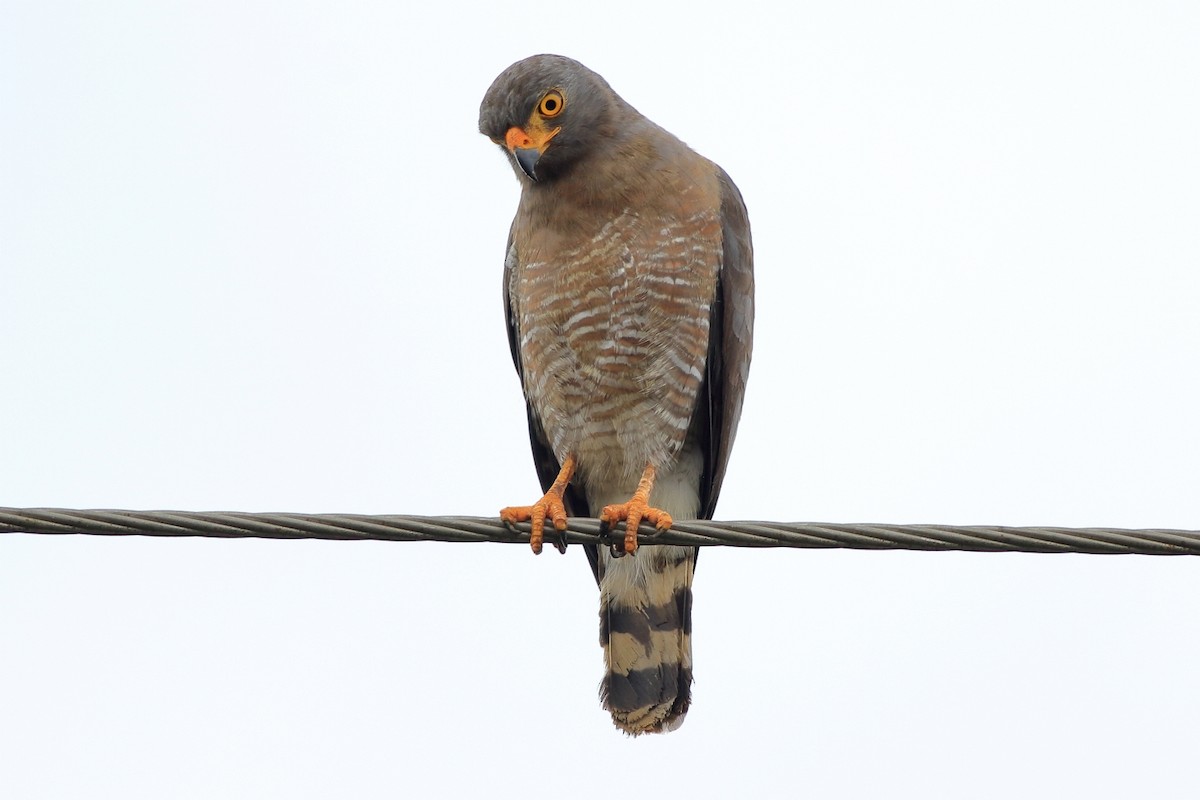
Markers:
(250, 259)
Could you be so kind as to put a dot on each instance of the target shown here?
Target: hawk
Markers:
(629, 298)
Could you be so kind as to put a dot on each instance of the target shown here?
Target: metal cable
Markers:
(405, 528)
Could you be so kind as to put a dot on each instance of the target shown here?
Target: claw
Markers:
(559, 539)
(615, 545)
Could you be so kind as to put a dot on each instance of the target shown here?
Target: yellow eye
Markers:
(552, 104)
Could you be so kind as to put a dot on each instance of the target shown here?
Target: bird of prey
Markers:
(629, 297)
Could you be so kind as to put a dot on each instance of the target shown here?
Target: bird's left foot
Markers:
(632, 513)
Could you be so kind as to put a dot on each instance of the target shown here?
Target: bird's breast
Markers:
(614, 334)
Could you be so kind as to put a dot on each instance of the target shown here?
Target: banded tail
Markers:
(646, 633)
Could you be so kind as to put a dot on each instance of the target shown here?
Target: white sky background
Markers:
(250, 260)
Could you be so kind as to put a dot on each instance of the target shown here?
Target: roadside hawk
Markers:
(629, 297)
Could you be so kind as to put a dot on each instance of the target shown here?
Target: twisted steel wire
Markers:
(406, 528)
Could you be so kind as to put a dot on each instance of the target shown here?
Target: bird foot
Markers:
(632, 513)
(549, 507)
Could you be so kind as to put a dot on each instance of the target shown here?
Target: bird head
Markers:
(547, 112)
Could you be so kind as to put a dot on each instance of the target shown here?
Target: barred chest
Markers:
(613, 335)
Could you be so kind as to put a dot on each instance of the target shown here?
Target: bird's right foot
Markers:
(549, 507)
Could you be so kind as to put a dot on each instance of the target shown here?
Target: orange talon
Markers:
(551, 505)
(633, 512)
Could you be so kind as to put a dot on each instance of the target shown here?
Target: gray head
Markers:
(548, 112)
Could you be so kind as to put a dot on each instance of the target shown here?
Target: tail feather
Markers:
(646, 633)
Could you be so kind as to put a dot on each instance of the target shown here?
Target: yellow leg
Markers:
(637, 509)
(551, 505)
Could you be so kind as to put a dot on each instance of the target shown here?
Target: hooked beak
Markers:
(527, 158)
(527, 147)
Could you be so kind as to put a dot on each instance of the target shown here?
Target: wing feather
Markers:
(731, 338)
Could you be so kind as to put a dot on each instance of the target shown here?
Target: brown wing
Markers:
(731, 338)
